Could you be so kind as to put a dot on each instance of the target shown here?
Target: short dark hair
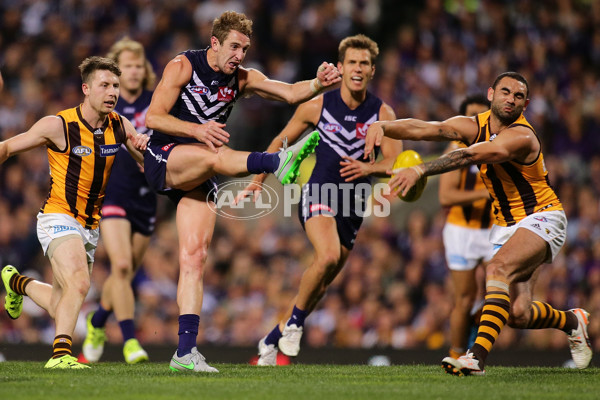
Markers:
(361, 42)
(513, 75)
(473, 99)
(95, 63)
(231, 20)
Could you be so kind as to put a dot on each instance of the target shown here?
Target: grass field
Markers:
(28, 380)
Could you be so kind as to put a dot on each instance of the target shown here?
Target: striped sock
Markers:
(18, 283)
(544, 316)
(61, 346)
(493, 318)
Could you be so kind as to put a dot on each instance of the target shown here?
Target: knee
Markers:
(122, 270)
(79, 283)
(465, 301)
(193, 260)
(328, 259)
(497, 268)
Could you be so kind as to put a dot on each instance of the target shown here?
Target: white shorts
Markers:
(55, 225)
(549, 225)
(466, 247)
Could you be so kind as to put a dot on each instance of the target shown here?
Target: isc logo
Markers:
(81, 151)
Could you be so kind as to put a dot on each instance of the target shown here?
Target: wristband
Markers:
(315, 85)
(419, 170)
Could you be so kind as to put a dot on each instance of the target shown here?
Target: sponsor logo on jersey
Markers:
(225, 93)
(492, 137)
(361, 130)
(320, 207)
(167, 147)
(98, 131)
(541, 219)
(332, 128)
(199, 89)
(351, 118)
(81, 151)
(107, 150)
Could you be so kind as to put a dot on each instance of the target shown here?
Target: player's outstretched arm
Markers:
(450, 193)
(518, 143)
(48, 131)
(457, 128)
(176, 75)
(255, 81)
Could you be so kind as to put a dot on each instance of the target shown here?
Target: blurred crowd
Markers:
(394, 290)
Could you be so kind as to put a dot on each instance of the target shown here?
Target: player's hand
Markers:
(139, 140)
(402, 180)
(254, 188)
(353, 169)
(373, 138)
(328, 74)
(212, 134)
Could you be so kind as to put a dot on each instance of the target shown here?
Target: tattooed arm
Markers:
(512, 144)
(461, 128)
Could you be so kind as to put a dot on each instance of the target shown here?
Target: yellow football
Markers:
(407, 159)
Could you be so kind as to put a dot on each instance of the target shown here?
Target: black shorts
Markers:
(155, 169)
(339, 204)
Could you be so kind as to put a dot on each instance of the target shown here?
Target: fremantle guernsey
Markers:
(342, 132)
(208, 96)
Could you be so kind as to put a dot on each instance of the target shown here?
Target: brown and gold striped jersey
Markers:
(517, 189)
(477, 215)
(79, 172)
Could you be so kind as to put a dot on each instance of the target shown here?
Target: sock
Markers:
(258, 163)
(127, 329)
(273, 336)
(188, 333)
(61, 346)
(100, 316)
(493, 318)
(18, 283)
(544, 316)
(297, 318)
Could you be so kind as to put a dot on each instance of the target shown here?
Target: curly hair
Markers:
(231, 20)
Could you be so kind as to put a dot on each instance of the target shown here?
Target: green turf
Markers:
(28, 380)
